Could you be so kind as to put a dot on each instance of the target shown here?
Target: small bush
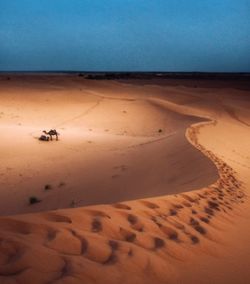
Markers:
(73, 203)
(47, 187)
(33, 200)
(160, 130)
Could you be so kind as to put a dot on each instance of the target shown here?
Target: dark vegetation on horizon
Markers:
(139, 75)
(164, 75)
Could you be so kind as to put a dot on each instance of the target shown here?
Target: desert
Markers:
(147, 183)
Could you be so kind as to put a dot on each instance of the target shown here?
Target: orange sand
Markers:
(199, 236)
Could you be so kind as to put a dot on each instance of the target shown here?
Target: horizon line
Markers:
(130, 72)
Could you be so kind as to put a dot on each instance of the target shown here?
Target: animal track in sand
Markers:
(189, 198)
(112, 258)
(16, 226)
(96, 213)
(172, 212)
(96, 226)
(204, 219)
(104, 254)
(10, 252)
(177, 225)
(122, 206)
(65, 242)
(127, 235)
(196, 225)
(83, 241)
(169, 232)
(166, 230)
(134, 221)
(158, 243)
(12, 271)
(187, 204)
(53, 217)
(194, 239)
(149, 204)
(65, 270)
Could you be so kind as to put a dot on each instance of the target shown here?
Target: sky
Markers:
(125, 35)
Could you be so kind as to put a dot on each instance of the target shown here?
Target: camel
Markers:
(51, 133)
(44, 138)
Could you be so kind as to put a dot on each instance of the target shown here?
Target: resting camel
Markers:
(51, 133)
(44, 138)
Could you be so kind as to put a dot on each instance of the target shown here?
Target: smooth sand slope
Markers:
(110, 144)
(199, 236)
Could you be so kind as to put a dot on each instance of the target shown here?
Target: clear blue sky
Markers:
(125, 35)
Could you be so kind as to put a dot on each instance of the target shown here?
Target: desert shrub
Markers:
(47, 187)
(33, 200)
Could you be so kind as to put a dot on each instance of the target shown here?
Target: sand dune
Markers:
(140, 141)
(195, 229)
